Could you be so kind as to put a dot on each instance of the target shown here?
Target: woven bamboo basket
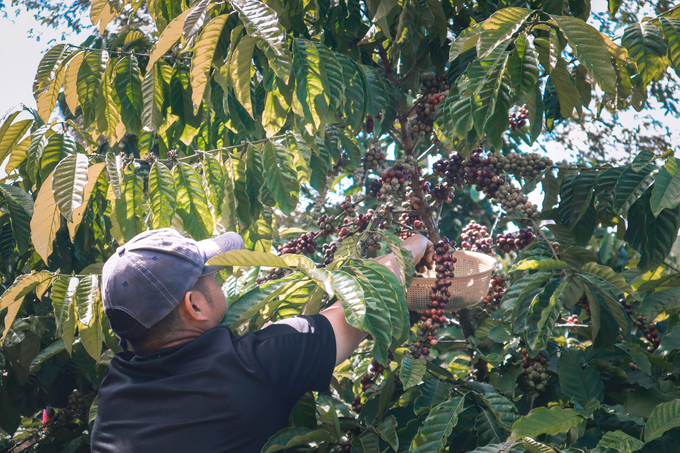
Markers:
(468, 287)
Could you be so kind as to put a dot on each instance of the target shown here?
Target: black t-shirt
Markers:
(217, 393)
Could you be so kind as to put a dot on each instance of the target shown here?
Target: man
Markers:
(190, 385)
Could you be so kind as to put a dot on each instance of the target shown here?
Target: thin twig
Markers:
(495, 224)
(671, 267)
(544, 237)
(396, 139)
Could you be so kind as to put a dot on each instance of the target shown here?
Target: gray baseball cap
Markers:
(148, 276)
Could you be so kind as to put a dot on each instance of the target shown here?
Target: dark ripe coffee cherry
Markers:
(425, 351)
(652, 326)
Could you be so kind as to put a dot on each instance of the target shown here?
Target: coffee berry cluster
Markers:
(476, 239)
(442, 192)
(497, 287)
(370, 243)
(512, 200)
(304, 245)
(328, 253)
(433, 317)
(527, 166)
(348, 207)
(274, 273)
(361, 222)
(326, 226)
(392, 181)
(511, 242)
(432, 83)
(647, 329)
(423, 122)
(474, 171)
(519, 119)
(535, 372)
(373, 159)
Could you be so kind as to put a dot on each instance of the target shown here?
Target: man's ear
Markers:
(192, 306)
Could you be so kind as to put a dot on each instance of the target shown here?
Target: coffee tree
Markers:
(324, 132)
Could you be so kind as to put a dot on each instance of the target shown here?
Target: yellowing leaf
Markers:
(71, 82)
(45, 221)
(12, 135)
(18, 155)
(201, 62)
(168, 38)
(92, 175)
(241, 70)
(12, 298)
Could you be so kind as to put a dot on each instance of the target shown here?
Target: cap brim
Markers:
(223, 243)
(208, 270)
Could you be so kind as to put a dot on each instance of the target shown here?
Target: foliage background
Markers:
(283, 91)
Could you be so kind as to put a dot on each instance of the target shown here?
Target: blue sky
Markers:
(20, 54)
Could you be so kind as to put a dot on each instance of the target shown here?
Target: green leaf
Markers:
(241, 71)
(376, 322)
(671, 32)
(87, 302)
(114, 166)
(652, 236)
(366, 443)
(311, 84)
(376, 94)
(661, 301)
(88, 86)
(579, 381)
(201, 61)
(545, 421)
(544, 264)
(355, 98)
(48, 65)
(666, 192)
(291, 437)
(195, 20)
(351, 296)
(11, 135)
(646, 46)
(20, 205)
(388, 432)
(192, 204)
(58, 147)
(498, 122)
(411, 372)
(128, 210)
(254, 298)
(523, 67)
(664, 417)
(500, 26)
(619, 441)
(607, 274)
(152, 97)
(488, 429)
(591, 51)
(392, 292)
(68, 186)
(281, 175)
(433, 393)
(107, 109)
(334, 77)
(128, 93)
(630, 187)
(47, 353)
(567, 94)
(543, 312)
(438, 426)
(213, 179)
(261, 22)
(485, 80)
(162, 195)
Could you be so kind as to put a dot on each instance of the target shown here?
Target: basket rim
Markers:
(485, 257)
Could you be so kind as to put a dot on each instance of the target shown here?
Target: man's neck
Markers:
(184, 337)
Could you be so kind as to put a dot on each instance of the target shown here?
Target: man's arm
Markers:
(348, 338)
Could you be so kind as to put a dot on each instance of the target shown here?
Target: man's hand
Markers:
(422, 250)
